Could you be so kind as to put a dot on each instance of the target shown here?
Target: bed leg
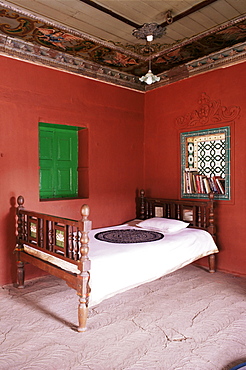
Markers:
(84, 265)
(83, 291)
(82, 315)
(20, 274)
(211, 263)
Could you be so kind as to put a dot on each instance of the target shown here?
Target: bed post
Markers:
(212, 231)
(142, 205)
(83, 288)
(19, 246)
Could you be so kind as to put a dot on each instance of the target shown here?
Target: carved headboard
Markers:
(200, 214)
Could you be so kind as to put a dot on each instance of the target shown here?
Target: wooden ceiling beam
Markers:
(177, 17)
(111, 13)
(190, 11)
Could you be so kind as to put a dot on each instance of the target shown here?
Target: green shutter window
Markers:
(58, 160)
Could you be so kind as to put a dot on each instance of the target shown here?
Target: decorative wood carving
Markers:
(210, 112)
(50, 225)
(83, 288)
(29, 37)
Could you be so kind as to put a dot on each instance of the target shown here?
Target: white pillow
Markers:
(163, 224)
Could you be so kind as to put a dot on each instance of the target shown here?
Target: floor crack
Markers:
(199, 313)
(170, 340)
(139, 326)
(5, 336)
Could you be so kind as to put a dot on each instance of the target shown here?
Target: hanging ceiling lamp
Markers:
(149, 78)
(149, 32)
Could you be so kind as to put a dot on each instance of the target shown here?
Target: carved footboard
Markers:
(58, 246)
(200, 214)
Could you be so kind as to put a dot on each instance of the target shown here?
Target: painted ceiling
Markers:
(34, 34)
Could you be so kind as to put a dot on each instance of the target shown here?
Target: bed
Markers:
(99, 263)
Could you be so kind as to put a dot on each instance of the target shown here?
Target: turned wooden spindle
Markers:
(19, 247)
(83, 288)
(178, 212)
(142, 205)
(211, 226)
(199, 217)
(20, 202)
(212, 231)
(168, 211)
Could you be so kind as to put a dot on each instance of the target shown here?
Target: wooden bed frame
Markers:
(40, 231)
(200, 214)
(45, 239)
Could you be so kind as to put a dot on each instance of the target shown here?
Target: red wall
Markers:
(162, 151)
(133, 142)
(114, 117)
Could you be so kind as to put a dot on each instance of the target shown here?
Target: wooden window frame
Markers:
(82, 164)
(184, 136)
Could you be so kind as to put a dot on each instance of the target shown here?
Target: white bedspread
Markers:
(116, 268)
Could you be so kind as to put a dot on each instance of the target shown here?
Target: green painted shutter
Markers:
(58, 152)
(46, 160)
(66, 163)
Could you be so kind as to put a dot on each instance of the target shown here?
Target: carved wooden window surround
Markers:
(205, 161)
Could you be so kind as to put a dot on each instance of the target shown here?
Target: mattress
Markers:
(116, 268)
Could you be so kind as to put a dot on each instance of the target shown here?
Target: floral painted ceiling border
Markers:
(31, 38)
